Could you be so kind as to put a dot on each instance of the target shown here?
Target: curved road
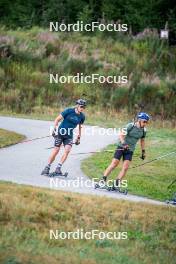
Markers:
(22, 163)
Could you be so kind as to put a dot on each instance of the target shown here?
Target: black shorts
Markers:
(60, 139)
(126, 154)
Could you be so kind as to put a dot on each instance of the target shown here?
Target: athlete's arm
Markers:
(123, 132)
(122, 137)
(79, 130)
(77, 142)
(57, 120)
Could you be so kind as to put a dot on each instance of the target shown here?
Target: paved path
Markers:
(22, 163)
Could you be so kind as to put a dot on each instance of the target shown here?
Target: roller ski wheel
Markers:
(96, 186)
(55, 174)
(126, 192)
(123, 191)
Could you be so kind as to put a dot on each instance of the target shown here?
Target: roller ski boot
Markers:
(101, 184)
(46, 171)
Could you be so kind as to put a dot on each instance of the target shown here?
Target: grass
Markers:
(104, 118)
(8, 138)
(27, 214)
(150, 180)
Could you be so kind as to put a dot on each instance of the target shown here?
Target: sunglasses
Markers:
(82, 106)
(145, 122)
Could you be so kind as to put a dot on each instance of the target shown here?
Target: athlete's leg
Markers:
(124, 169)
(58, 170)
(111, 167)
(67, 146)
(57, 144)
(53, 155)
(117, 156)
(66, 153)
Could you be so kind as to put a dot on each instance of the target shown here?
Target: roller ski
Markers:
(99, 186)
(118, 189)
(55, 174)
(58, 173)
(102, 184)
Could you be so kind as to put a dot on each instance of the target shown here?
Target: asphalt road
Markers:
(22, 163)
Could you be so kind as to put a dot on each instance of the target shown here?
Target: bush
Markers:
(149, 63)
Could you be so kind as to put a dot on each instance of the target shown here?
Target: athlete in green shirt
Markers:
(126, 146)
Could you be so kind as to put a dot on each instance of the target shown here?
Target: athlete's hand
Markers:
(54, 132)
(125, 146)
(77, 142)
(143, 156)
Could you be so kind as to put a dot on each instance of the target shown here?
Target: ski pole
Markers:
(158, 158)
(171, 183)
(29, 140)
(50, 148)
(98, 151)
(61, 145)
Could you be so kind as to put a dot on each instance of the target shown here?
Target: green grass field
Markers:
(27, 214)
(8, 138)
(150, 180)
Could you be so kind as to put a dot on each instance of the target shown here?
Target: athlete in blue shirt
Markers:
(71, 118)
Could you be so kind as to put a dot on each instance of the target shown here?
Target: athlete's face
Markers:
(143, 123)
(81, 108)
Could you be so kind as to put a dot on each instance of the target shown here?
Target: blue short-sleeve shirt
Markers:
(70, 121)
